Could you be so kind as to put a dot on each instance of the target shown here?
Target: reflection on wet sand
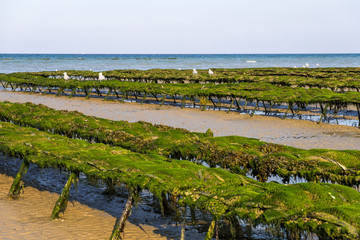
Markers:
(29, 218)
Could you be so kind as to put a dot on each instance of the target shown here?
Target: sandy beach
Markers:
(28, 217)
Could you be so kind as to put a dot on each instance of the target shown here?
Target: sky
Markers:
(186, 26)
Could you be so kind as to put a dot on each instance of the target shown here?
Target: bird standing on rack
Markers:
(66, 77)
(101, 76)
(194, 71)
(211, 72)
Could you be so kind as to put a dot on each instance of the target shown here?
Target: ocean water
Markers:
(102, 62)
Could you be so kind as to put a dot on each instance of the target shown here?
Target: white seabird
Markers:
(101, 76)
(66, 77)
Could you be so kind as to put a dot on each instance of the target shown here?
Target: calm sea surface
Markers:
(101, 62)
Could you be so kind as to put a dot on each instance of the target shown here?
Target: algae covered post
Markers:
(61, 203)
(16, 186)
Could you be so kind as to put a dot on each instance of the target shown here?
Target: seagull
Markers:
(211, 72)
(101, 76)
(66, 77)
(194, 71)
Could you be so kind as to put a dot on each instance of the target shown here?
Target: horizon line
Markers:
(187, 53)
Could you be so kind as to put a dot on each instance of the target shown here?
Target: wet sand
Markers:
(296, 133)
(29, 218)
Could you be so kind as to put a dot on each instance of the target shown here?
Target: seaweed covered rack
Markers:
(295, 211)
(335, 78)
(238, 154)
(325, 93)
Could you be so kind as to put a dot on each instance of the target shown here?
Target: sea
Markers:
(101, 62)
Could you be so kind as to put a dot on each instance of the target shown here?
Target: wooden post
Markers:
(203, 101)
(286, 112)
(6, 85)
(2, 83)
(232, 226)
(110, 186)
(88, 93)
(61, 203)
(256, 106)
(116, 93)
(154, 94)
(358, 111)
(212, 102)
(107, 95)
(237, 104)
(211, 230)
(144, 97)
(323, 112)
(182, 237)
(183, 100)
(59, 92)
(245, 105)
(72, 92)
(232, 102)
(183, 223)
(98, 92)
(266, 111)
(120, 222)
(193, 215)
(16, 185)
(12, 88)
(292, 110)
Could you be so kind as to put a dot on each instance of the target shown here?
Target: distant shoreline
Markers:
(35, 62)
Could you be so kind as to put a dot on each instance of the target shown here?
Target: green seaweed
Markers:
(325, 209)
(238, 154)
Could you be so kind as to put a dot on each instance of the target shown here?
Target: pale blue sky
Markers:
(186, 26)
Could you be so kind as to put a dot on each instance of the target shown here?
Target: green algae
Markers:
(324, 209)
(334, 78)
(238, 154)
